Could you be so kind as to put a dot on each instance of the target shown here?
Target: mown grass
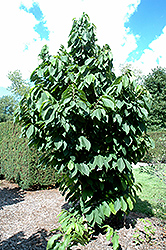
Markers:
(152, 199)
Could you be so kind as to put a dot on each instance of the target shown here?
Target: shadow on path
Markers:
(10, 196)
(37, 241)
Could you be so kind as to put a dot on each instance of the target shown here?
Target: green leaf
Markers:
(97, 113)
(83, 168)
(64, 58)
(58, 144)
(70, 165)
(82, 69)
(90, 78)
(144, 112)
(84, 143)
(128, 164)
(118, 119)
(115, 241)
(109, 231)
(123, 204)
(40, 72)
(97, 217)
(117, 205)
(119, 104)
(90, 217)
(49, 115)
(52, 70)
(99, 161)
(126, 128)
(125, 81)
(88, 61)
(121, 164)
(119, 88)
(87, 193)
(51, 242)
(30, 131)
(106, 209)
(42, 99)
(108, 102)
(111, 205)
(130, 203)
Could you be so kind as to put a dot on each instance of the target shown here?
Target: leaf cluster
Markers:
(73, 230)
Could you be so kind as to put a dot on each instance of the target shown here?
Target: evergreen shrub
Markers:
(19, 163)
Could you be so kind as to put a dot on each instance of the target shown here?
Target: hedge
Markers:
(19, 163)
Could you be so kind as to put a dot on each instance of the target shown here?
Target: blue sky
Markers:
(148, 22)
(134, 29)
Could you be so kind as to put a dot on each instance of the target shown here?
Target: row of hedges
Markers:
(157, 154)
(19, 163)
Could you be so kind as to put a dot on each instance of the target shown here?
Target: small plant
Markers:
(74, 229)
(146, 234)
(113, 236)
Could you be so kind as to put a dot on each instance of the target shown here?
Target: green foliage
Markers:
(73, 230)
(111, 234)
(19, 86)
(158, 153)
(7, 107)
(19, 163)
(8, 104)
(88, 124)
(155, 82)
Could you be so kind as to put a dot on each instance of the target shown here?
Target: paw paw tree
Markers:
(89, 124)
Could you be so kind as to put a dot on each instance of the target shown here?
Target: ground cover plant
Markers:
(90, 126)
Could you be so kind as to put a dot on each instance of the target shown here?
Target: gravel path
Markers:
(26, 218)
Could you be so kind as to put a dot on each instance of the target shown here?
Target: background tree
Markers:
(90, 127)
(19, 86)
(7, 107)
(135, 72)
(155, 82)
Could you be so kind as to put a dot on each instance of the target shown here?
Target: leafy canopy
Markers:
(88, 124)
(19, 87)
(155, 82)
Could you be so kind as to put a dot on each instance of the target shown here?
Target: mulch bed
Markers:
(26, 218)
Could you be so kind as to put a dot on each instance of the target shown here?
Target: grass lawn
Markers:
(152, 199)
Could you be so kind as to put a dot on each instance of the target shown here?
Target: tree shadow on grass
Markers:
(37, 241)
(10, 196)
(143, 206)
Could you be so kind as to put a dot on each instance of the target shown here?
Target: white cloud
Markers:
(16, 33)
(155, 55)
(109, 17)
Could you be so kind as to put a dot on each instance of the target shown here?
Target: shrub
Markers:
(19, 163)
(89, 125)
